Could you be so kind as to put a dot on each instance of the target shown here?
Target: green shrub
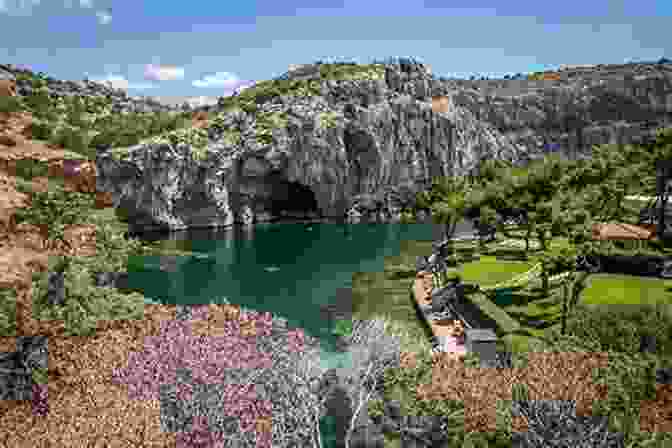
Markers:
(618, 327)
(10, 104)
(85, 304)
(630, 380)
(73, 139)
(130, 129)
(7, 312)
(630, 376)
(343, 327)
(28, 168)
(75, 115)
(41, 130)
(40, 375)
(55, 209)
(41, 106)
(376, 408)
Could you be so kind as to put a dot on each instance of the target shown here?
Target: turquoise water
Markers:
(287, 269)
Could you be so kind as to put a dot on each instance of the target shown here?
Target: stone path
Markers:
(443, 332)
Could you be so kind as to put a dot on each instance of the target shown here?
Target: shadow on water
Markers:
(290, 269)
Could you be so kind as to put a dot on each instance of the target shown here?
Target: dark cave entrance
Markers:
(291, 199)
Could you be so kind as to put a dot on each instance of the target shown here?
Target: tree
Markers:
(448, 200)
(575, 285)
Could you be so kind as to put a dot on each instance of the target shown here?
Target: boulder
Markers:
(56, 288)
(118, 280)
(664, 375)
(16, 367)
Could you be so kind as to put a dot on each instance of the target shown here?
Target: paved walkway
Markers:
(422, 288)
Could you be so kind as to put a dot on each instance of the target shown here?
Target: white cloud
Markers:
(226, 80)
(18, 6)
(104, 17)
(119, 82)
(163, 72)
(25, 7)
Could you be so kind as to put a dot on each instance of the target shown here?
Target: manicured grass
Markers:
(529, 308)
(625, 289)
(490, 271)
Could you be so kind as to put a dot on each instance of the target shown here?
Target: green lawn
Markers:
(490, 271)
(518, 320)
(624, 289)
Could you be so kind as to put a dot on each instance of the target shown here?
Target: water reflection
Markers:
(288, 269)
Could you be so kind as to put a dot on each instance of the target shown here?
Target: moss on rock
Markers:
(264, 91)
(265, 123)
(328, 119)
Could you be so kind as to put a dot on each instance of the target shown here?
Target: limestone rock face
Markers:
(581, 107)
(362, 147)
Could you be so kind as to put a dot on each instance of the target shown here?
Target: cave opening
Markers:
(290, 199)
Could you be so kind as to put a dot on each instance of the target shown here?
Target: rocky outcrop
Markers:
(359, 145)
(27, 82)
(304, 156)
(584, 106)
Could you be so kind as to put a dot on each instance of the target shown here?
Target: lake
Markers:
(287, 269)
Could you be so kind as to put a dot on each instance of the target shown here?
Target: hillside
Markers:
(340, 140)
(362, 135)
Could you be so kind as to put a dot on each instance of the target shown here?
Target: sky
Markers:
(213, 48)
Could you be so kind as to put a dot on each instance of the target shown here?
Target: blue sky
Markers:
(204, 47)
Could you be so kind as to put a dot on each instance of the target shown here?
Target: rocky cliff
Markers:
(336, 140)
(585, 106)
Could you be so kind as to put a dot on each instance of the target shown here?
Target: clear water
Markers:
(287, 269)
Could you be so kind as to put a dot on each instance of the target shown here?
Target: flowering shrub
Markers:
(39, 403)
(250, 352)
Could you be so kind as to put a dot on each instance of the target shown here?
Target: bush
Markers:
(618, 328)
(10, 104)
(85, 304)
(40, 104)
(629, 376)
(7, 312)
(55, 209)
(73, 139)
(41, 130)
(28, 168)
